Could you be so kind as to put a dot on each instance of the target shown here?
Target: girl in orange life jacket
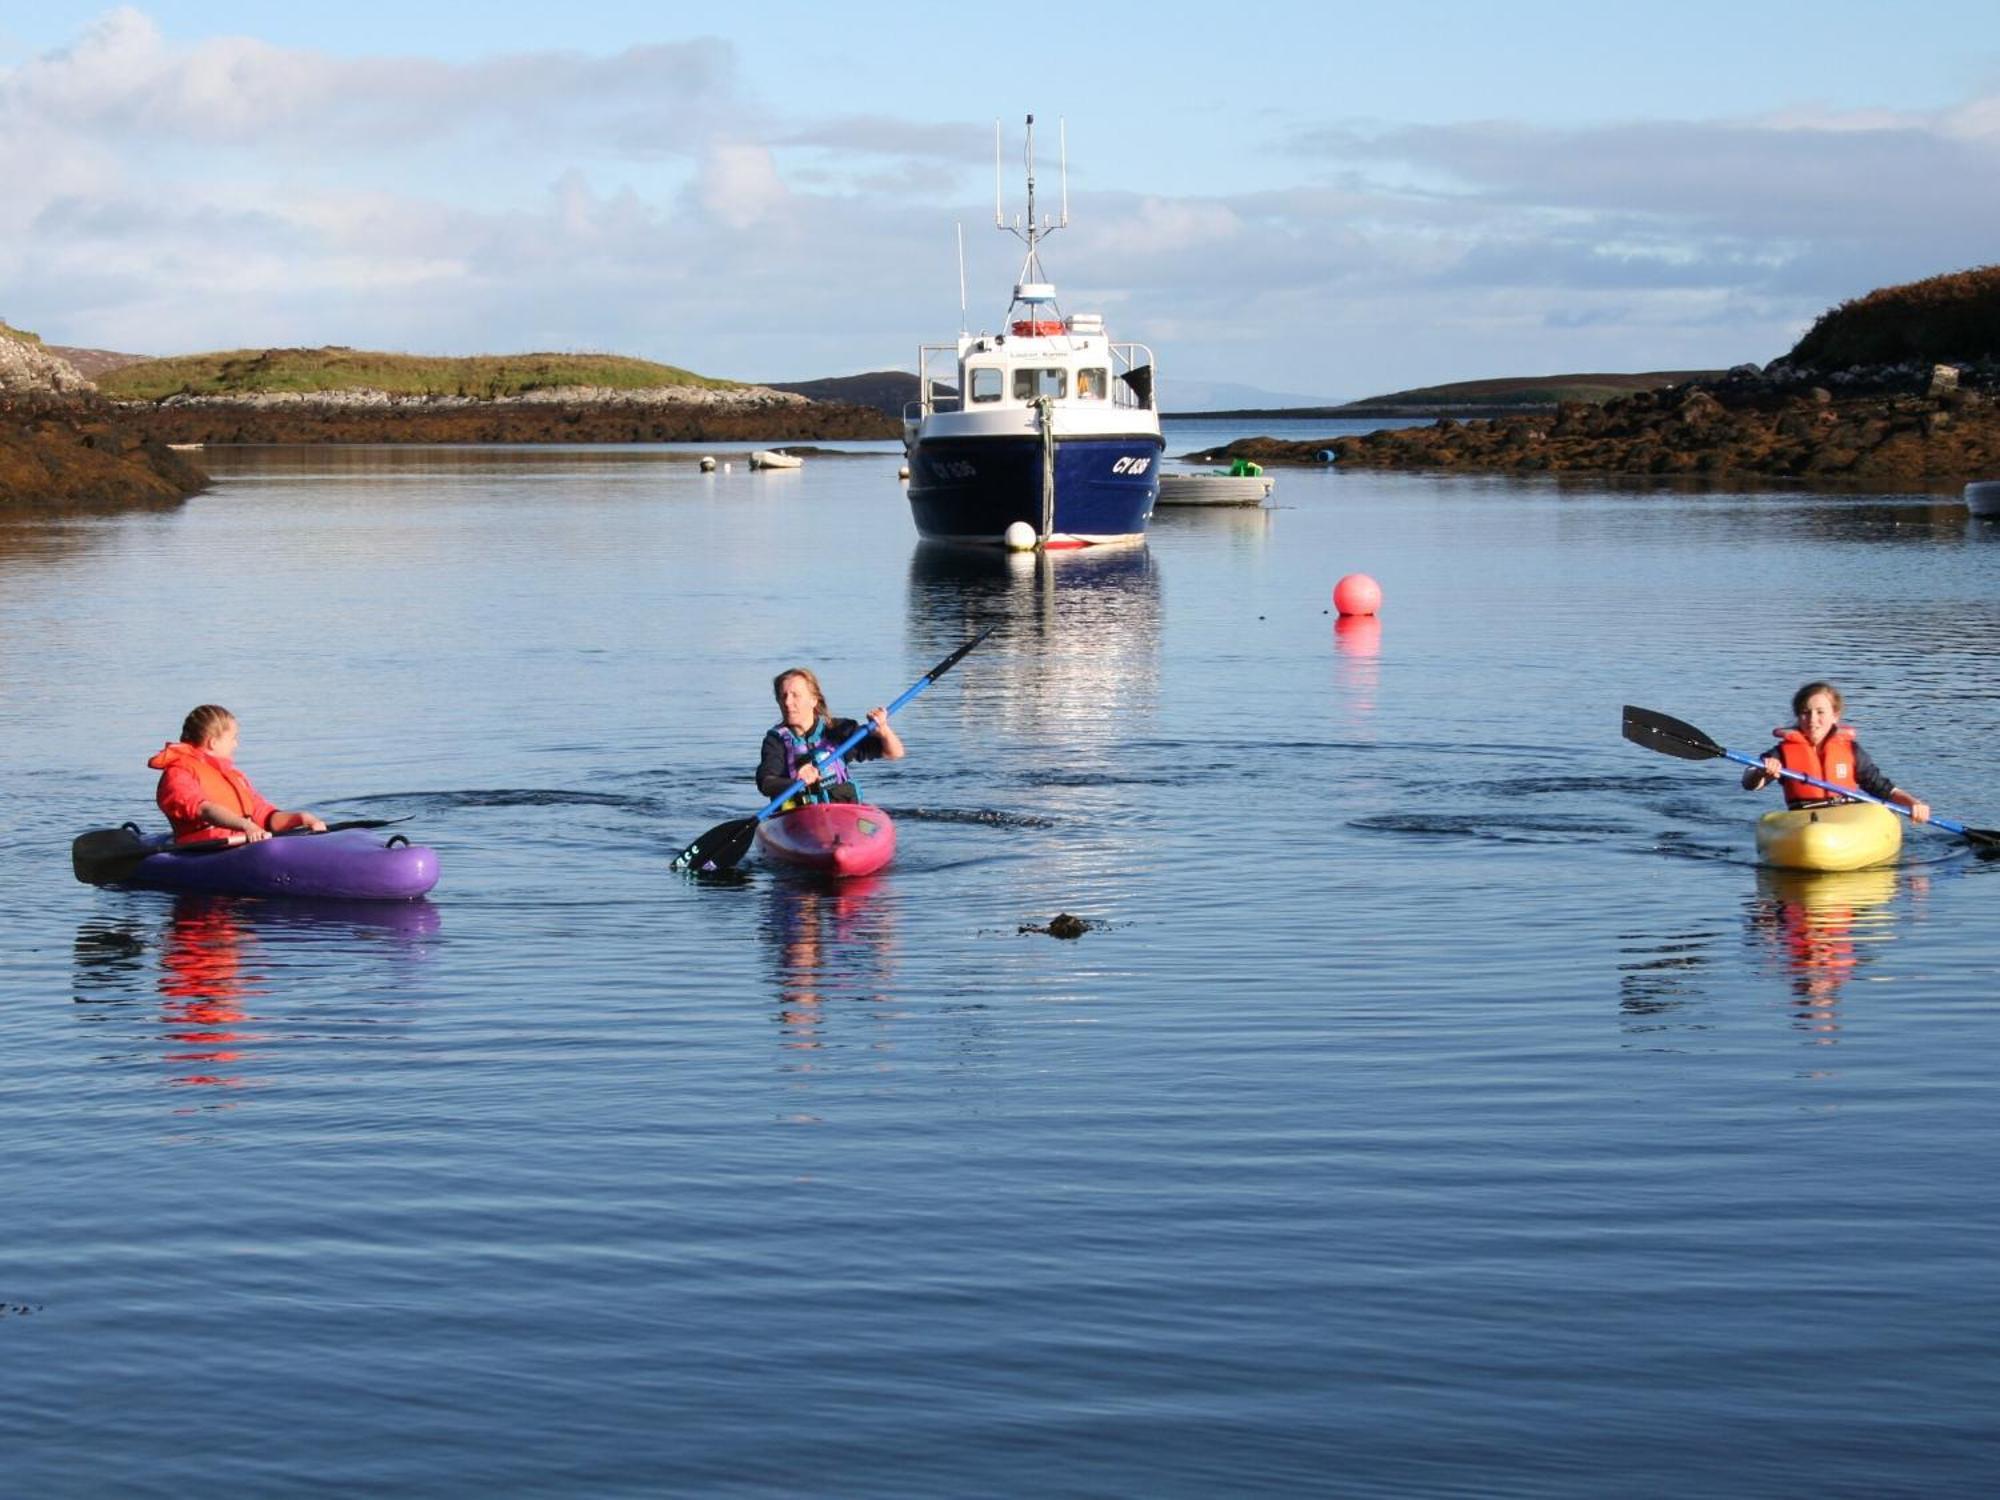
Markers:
(1820, 745)
(807, 729)
(203, 794)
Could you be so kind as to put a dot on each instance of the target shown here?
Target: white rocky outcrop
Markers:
(28, 367)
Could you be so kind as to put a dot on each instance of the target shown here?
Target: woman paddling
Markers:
(203, 794)
(796, 745)
(1819, 745)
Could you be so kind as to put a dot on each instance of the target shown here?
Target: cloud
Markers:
(123, 81)
(225, 192)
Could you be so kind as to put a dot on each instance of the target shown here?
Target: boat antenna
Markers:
(961, 277)
(1031, 230)
(1062, 139)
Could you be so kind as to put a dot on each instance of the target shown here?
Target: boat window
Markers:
(1041, 381)
(1091, 384)
(986, 382)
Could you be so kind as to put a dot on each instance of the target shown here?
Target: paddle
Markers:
(107, 856)
(726, 843)
(1671, 736)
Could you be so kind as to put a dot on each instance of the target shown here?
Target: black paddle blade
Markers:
(105, 856)
(1668, 735)
(721, 848)
(109, 856)
(1985, 841)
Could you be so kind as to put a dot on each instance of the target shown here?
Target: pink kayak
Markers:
(841, 838)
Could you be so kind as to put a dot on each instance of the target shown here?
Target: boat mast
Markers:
(1032, 285)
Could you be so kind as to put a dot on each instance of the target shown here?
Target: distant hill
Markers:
(1513, 392)
(95, 362)
(1948, 319)
(492, 377)
(887, 391)
(1187, 397)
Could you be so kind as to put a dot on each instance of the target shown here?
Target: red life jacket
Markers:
(220, 782)
(1832, 760)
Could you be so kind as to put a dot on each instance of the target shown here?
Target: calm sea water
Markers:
(1442, 1103)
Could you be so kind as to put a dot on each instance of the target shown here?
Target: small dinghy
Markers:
(1242, 483)
(1982, 497)
(1832, 836)
(838, 838)
(345, 865)
(770, 458)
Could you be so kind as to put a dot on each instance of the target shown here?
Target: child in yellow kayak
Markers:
(1819, 745)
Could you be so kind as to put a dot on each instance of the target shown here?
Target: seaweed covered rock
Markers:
(62, 445)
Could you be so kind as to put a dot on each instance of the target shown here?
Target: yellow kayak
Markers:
(1836, 836)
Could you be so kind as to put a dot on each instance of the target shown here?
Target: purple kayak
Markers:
(345, 865)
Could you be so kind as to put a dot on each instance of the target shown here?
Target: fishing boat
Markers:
(1831, 836)
(349, 865)
(1046, 424)
(839, 838)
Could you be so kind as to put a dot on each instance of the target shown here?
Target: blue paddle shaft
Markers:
(1839, 791)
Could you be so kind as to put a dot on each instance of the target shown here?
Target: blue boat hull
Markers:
(971, 489)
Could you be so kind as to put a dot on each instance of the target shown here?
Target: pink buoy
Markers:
(1357, 594)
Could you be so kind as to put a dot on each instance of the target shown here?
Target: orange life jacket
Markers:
(1832, 760)
(221, 783)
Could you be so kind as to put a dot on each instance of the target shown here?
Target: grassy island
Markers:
(490, 377)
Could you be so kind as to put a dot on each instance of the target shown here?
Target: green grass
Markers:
(251, 372)
(18, 333)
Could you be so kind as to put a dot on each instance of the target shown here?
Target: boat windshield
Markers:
(1041, 380)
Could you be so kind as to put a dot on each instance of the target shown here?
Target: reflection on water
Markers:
(209, 969)
(1357, 657)
(829, 941)
(1662, 978)
(1084, 628)
(1824, 927)
(213, 960)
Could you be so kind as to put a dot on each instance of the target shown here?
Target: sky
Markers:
(1319, 199)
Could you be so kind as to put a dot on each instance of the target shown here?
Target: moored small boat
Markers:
(770, 458)
(1982, 497)
(840, 838)
(349, 865)
(1215, 489)
(1831, 836)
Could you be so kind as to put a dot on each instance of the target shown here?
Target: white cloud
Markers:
(230, 192)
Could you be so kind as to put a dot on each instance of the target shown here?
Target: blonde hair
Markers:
(203, 722)
(1807, 693)
(819, 694)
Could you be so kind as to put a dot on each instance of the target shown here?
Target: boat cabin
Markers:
(1069, 361)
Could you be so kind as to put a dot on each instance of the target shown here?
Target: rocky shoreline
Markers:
(61, 452)
(572, 414)
(1905, 425)
(64, 446)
